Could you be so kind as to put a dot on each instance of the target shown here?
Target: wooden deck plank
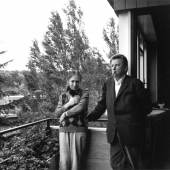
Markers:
(98, 153)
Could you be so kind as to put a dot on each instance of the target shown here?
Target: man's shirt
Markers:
(118, 84)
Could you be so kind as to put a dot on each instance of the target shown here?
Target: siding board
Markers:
(119, 4)
(131, 4)
(142, 3)
(158, 2)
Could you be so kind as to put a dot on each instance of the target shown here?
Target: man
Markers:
(127, 105)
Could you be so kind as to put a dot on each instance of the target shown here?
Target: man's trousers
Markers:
(124, 157)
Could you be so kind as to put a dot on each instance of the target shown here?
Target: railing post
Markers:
(48, 129)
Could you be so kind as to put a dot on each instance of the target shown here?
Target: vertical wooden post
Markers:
(48, 129)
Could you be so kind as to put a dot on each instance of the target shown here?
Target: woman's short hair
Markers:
(74, 73)
(120, 56)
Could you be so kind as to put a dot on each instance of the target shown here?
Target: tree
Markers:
(31, 81)
(66, 48)
(35, 57)
(110, 36)
(2, 65)
(76, 38)
(55, 45)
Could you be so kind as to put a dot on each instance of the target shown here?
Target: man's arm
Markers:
(100, 108)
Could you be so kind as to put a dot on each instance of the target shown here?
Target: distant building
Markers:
(8, 99)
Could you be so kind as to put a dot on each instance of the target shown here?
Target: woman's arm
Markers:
(61, 108)
(80, 106)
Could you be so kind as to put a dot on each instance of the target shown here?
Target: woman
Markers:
(72, 110)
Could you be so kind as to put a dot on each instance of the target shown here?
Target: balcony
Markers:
(97, 155)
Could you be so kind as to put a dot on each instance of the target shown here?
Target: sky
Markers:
(22, 21)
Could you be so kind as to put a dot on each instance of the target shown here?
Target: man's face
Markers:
(118, 68)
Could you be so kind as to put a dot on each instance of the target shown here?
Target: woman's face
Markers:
(74, 82)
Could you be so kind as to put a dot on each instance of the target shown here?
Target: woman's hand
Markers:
(72, 101)
(63, 116)
(76, 99)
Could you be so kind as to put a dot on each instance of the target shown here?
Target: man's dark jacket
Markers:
(126, 112)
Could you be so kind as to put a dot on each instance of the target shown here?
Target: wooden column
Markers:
(127, 43)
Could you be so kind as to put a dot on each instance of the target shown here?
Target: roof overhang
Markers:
(119, 5)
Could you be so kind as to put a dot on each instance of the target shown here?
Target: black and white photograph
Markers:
(84, 85)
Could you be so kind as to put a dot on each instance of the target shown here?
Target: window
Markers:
(141, 59)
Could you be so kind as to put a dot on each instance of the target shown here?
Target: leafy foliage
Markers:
(111, 37)
(13, 82)
(29, 150)
(2, 65)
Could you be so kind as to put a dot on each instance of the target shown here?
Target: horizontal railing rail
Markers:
(48, 120)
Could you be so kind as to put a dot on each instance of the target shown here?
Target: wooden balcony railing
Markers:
(48, 120)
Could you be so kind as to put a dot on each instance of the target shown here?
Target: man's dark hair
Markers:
(120, 56)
